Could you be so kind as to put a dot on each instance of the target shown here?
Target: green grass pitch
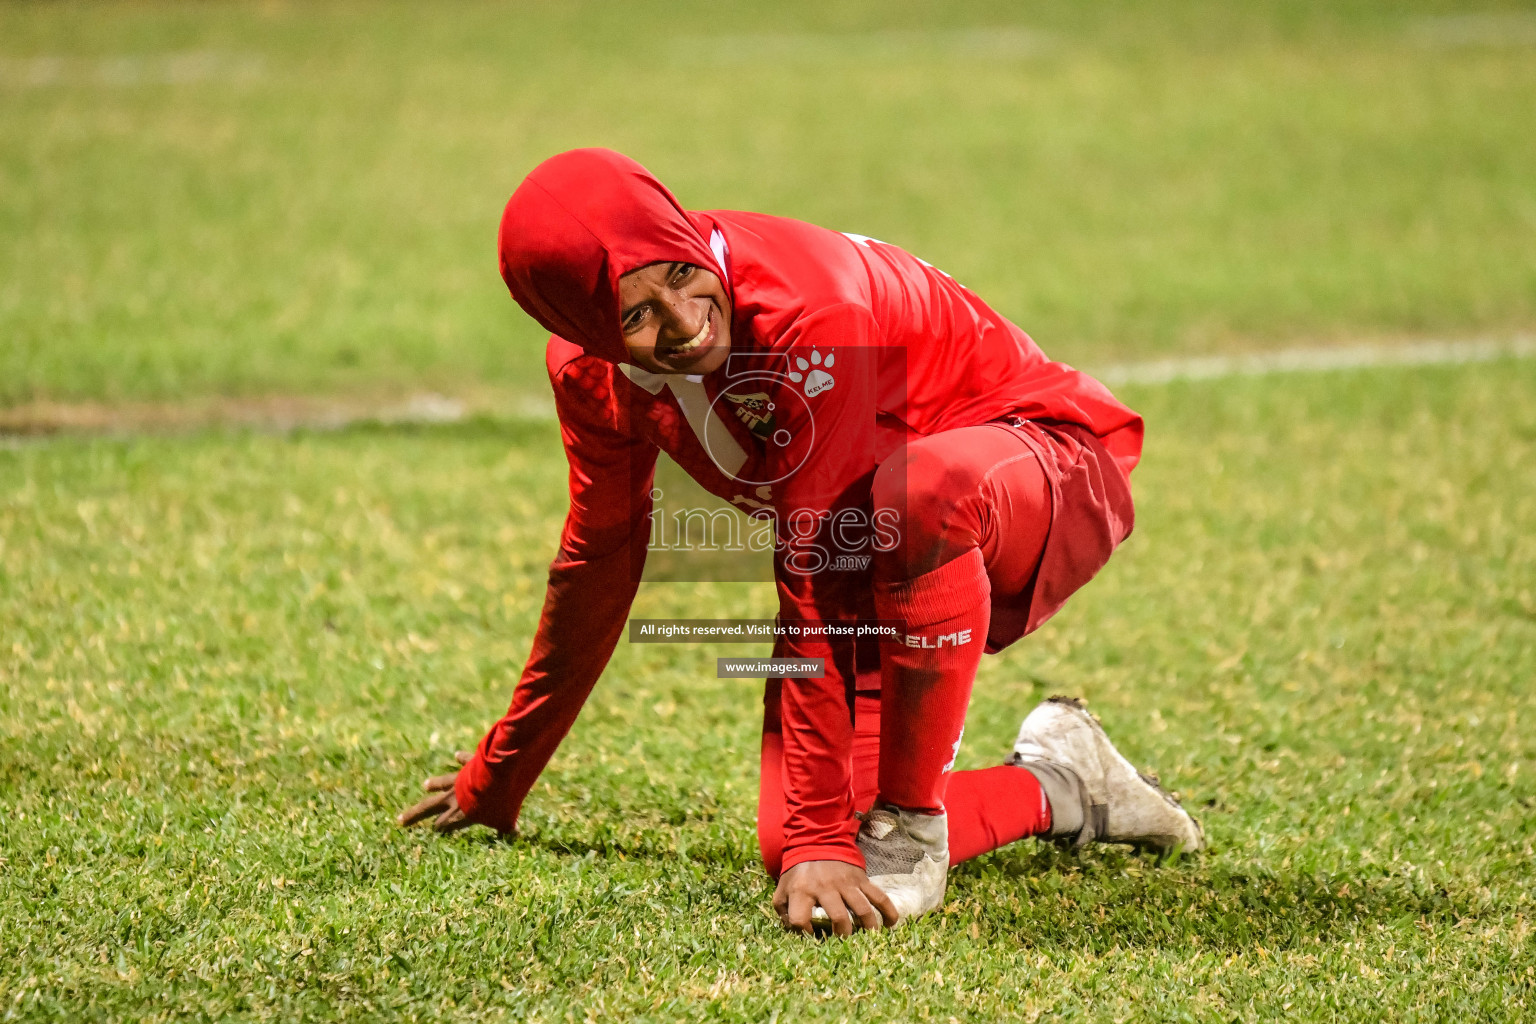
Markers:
(227, 659)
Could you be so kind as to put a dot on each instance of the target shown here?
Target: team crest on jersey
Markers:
(755, 411)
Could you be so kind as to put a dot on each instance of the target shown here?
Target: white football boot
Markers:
(907, 855)
(1096, 795)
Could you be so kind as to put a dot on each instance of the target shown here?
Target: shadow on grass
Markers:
(1036, 896)
(707, 843)
(1057, 901)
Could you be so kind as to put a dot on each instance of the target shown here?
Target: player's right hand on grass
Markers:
(842, 890)
(442, 806)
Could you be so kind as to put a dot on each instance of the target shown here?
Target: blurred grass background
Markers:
(239, 199)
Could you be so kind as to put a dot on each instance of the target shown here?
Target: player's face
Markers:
(676, 318)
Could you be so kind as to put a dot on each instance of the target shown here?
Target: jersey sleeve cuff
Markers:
(475, 792)
(847, 853)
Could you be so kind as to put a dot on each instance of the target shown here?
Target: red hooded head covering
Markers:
(579, 222)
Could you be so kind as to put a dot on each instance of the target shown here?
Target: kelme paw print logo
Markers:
(818, 379)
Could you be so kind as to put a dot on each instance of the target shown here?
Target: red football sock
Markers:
(992, 807)
(926, 676)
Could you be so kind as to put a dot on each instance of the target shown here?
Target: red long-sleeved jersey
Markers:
(842, 348)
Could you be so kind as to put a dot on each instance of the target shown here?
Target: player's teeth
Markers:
(691, 343)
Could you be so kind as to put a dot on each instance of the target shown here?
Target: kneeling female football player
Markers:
(925, 466)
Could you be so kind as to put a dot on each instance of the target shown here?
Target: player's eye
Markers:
(634, 320)
(681, 272)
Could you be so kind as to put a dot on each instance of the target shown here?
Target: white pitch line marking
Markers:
(1004, 42)
(126, 70)
(1514, 28)
(1318, 360)
(434, 408)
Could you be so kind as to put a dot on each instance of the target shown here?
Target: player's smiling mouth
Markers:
(688, 350)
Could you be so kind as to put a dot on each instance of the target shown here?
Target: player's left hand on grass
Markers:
(842, 890)
(442, 806)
